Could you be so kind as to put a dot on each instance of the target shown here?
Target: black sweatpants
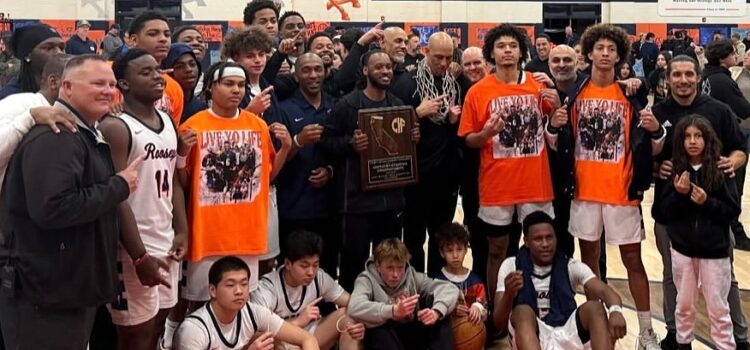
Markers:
(29, 326)
(410, 336)
(428, 206)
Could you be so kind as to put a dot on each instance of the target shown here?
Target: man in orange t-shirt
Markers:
(228, 164)
(150, 31)
(612, 142)
(504, 118)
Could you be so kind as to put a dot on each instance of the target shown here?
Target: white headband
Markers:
(229, 72)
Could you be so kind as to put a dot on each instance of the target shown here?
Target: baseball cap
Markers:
(82, 23)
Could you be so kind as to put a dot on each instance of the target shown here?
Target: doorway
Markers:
(579, 16)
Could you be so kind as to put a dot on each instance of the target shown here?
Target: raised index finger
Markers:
(296, 36)
(137, 162)
(316, 301)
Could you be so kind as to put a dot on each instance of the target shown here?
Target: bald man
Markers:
(562, 64)
(394, 43)
(474, 65)
(437, 97)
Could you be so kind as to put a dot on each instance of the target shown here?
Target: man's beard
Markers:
(566, 76)
(376, 84)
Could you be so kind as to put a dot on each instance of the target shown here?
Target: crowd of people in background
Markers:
(152, 202)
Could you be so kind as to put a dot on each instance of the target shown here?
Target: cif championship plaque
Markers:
(391, 157)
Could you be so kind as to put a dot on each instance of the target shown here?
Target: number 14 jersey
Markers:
(152, 200)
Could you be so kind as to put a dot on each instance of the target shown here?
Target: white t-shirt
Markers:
(288, 302)
(578, 272)
(201, 330)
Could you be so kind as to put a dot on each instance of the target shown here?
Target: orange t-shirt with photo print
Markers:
(229, 172)
(601, 119)
(514, 167)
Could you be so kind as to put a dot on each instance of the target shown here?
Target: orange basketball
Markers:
(468, 336)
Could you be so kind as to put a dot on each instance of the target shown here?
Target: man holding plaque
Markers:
(367, 215)
(504, 116)
(436, 96)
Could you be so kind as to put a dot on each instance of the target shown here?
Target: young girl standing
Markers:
(698, 206)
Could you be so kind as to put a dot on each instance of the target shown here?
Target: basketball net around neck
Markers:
(427, 90)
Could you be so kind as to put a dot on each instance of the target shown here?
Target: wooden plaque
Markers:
(390, 160)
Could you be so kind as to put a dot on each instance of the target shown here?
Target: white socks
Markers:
(169, 329)
(644, 321)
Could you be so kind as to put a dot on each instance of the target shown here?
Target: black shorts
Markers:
(497, 231)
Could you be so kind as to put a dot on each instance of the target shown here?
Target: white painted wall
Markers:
(59, 9)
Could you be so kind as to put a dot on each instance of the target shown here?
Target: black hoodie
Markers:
(700, 231)
(669, 113)
(336, 142)
(718, 83)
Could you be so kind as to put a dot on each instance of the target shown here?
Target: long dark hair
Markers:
(711, 176)
(27, 77)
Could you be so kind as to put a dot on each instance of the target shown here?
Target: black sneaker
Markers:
(669, 342)
(741, 242)
(743, 346)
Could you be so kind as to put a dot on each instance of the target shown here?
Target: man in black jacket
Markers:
(683, 74)
(437, 97)
(61, 223)
(718, 83)
(562, 64)
(366, 216)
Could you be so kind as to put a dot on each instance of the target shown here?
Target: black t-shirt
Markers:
(537, 65)
(366, 102)
(410, 60)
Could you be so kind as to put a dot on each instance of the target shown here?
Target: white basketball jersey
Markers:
(288, 302)
(202, 330)
(152, 200)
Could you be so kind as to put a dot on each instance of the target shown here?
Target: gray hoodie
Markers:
(372, 301)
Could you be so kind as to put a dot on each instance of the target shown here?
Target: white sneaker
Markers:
(647, 340)
(162, 345)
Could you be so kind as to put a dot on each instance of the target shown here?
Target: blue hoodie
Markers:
(192, 105)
